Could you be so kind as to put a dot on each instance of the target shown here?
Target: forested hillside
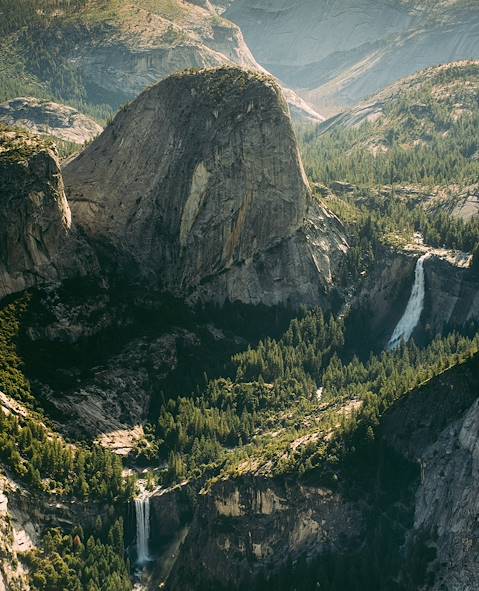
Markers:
(421, 130)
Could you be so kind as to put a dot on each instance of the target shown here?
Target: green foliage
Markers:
(16, 15)
(12, 380)
(427, 134)
(342, 155)
(49, 464)
(237, 425)
(303, 349)
(75, 563)
(34, 57)
(380, 217)
(335, 433)
(196, 432)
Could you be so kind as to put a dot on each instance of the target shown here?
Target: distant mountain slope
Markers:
(98, 55)
(338, 52)
(421, 129)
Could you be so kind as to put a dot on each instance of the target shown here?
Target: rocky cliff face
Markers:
(437, 427)
(37, 242)
(49, 118)
(242, 528)
(199, 184)
(35, 216)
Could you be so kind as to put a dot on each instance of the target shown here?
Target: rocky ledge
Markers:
(49, 118)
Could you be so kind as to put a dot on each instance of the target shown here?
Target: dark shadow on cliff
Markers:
(73, 333)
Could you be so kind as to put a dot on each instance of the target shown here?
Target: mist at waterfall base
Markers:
(412, 315)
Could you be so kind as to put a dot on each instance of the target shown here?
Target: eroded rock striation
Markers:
(199, 185)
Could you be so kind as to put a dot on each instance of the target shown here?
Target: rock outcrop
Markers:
(48, 118)
(35, 219)
(198, 184)
(37, 242)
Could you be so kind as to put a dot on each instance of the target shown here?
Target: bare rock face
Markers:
(37, 243)
(445, 443)
(199, 185)
(48, 118)
(34, 218)
(244, 528)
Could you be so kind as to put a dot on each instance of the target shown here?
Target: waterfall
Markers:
(412, 315)
(142, 511)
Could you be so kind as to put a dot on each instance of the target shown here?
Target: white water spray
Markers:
(412, 315)
(142, 511)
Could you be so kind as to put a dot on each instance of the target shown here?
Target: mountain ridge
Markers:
(381, 43)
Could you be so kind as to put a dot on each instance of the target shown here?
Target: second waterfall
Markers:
(142, 513)
(412, 315)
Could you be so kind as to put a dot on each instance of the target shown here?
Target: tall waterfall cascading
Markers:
(412, 315)
(142, 511)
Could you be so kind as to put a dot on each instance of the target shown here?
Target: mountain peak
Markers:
(199, 184)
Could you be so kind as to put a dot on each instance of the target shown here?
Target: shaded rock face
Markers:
(49, 118)
(424, 486)
(37, 243)
(243, 528)
(199, 184)
(438, 427)
(34, 216)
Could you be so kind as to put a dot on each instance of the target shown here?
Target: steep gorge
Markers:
(196, 194)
